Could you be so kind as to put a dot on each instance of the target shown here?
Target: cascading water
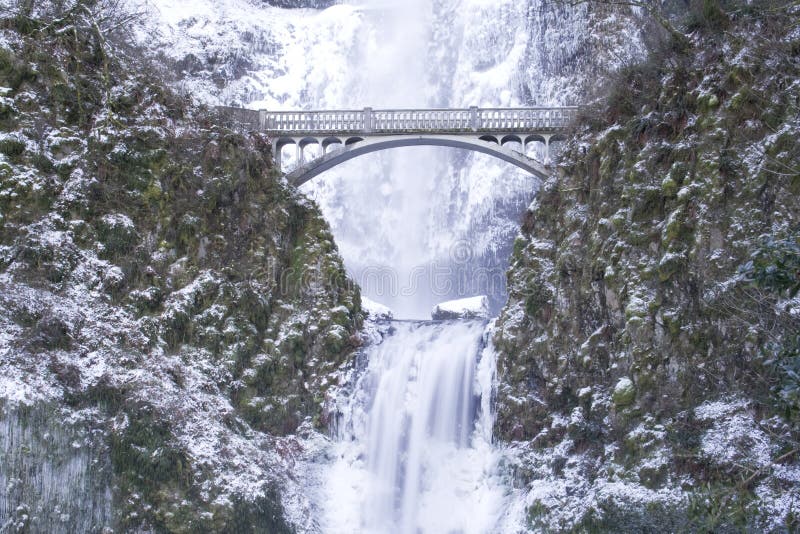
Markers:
(414, 443)
(402, 217)
(414, 439)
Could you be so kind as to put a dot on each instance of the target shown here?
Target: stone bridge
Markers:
(346, 134)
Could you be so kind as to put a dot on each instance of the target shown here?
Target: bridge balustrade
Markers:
(408, 120)
(402, 121)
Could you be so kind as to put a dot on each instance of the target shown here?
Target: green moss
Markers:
(720, 507)
(12, 148)
(14, 72)
(678, 229)
(519, 245)
(116, 234)
(147, 461)
(707, 102)
(624, 392)
(669, 187)
(670, 265)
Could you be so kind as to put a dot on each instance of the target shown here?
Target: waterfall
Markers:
(405, 219)
(415, 443)
(413, 450)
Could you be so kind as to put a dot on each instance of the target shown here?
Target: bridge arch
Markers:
(535, 137)
(280, 143)
(307, 141)
(329, 142)
(331, 159)
(511, 138)
(353, 140)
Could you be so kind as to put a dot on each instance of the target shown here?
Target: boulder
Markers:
(624, 392)
(469, 308)
(376, 310)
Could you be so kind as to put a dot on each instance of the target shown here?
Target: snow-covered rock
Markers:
(376, 310)
(469, 308)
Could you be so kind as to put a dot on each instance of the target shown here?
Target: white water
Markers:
(414, 447)
(400, 217)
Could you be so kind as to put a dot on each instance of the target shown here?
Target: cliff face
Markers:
(637, 368)
(171, 311)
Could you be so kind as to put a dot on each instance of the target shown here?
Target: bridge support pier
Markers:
(276, 154)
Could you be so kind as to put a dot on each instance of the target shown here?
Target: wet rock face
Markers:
(51, 332)
(627, 311)
(55, 471)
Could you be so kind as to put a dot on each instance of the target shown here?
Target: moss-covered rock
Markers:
(624, 392)
(160, 274)
(640, 302)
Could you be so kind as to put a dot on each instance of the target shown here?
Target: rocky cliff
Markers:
(642, 374)
(170, 309)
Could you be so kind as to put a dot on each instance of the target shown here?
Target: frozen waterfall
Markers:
(413, 451)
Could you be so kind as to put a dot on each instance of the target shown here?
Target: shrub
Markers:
(775, 265)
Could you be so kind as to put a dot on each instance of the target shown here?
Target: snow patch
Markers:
(468, 308)
(376, 310)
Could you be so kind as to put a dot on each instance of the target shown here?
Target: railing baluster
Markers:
(491, 120)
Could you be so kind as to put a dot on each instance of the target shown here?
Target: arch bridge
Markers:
(345, 134)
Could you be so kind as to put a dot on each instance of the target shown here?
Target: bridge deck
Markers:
(370, 121)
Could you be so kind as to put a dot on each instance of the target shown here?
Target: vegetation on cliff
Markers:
(162, 291)
(648, 363)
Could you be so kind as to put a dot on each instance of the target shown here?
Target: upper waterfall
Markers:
(415, 225)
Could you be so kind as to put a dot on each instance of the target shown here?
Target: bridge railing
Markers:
(368, 121)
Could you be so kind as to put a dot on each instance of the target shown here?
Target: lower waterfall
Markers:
(413, 446)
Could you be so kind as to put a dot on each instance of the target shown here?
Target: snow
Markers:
(376, 310)
(712, 411)
(472, 307)
(734, 437)
(117, 220)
